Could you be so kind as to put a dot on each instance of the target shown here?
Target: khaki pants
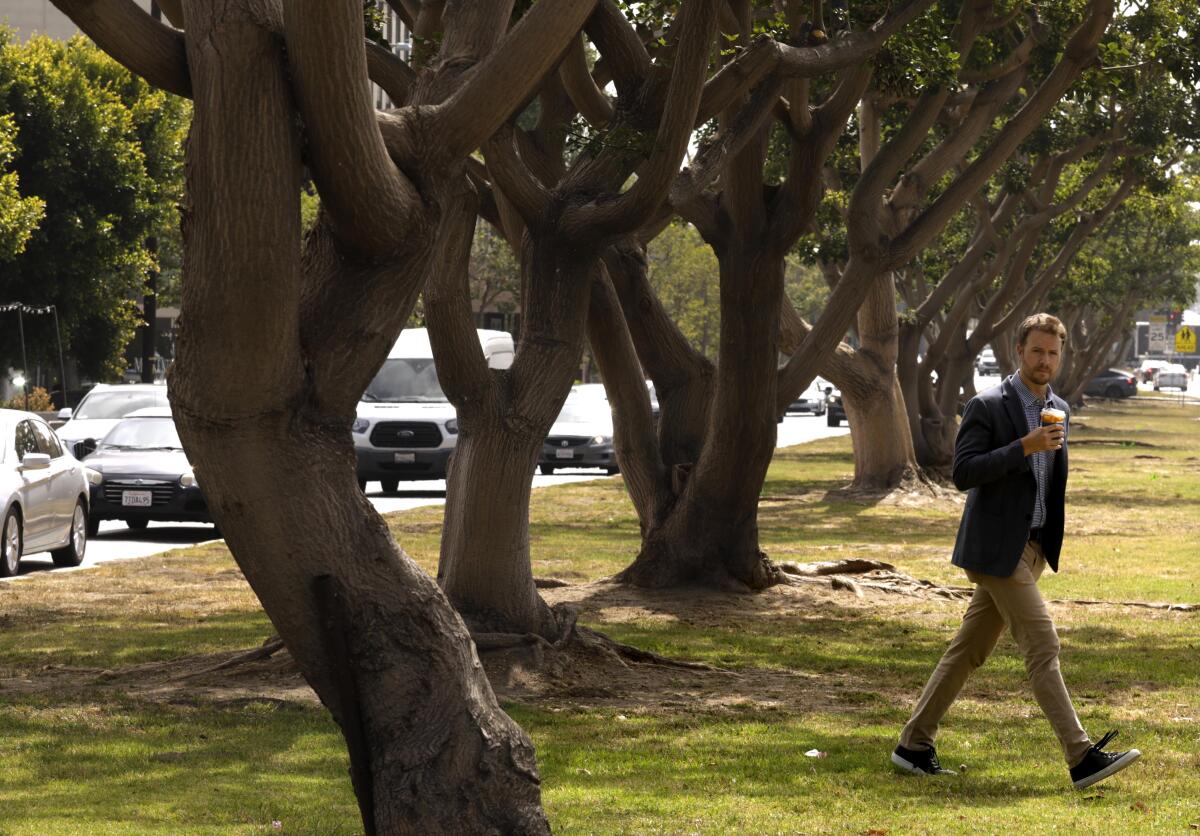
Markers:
(1014, 601)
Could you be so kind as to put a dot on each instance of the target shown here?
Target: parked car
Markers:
(44, 494)
(1171, 376)
(812, 400)
(1112, 383)
(144, 475)
(1149, 368)
(101, 409)
(583, 434)
(835, 413)
(405, 427)
(986, 363)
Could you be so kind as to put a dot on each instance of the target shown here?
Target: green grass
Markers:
(827, 672)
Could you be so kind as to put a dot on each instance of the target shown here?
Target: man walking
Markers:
(1014, 468)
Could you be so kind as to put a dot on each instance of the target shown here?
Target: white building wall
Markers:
(30, 17)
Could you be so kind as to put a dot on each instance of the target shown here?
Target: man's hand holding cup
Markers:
(1049, 436)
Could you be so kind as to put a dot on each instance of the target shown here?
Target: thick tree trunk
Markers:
(265, 422)
(710, 535)
(485, 566)
(884, 457)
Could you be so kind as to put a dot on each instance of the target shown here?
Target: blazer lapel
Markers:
(1012, 405)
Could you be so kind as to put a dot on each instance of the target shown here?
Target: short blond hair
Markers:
(1044, 322)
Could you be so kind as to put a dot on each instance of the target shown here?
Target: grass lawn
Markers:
(693, 753)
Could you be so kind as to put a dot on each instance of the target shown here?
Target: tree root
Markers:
(573, 636)
(550, 583)
(264, 651)
(875, 574)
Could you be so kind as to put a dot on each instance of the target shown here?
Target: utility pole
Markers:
(150, 313)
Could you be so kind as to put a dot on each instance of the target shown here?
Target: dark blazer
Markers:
(1001, 489)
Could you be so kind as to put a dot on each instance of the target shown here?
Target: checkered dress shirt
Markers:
(1041, 463)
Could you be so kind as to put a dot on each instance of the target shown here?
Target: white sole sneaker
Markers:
(1112, 769)
(908, 766)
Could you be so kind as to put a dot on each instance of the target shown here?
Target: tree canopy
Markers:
(97, 153)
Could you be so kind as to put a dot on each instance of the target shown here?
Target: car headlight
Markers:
(188, 480)
(93, 475)
(452, 426)
(600, 439)
(360, 425)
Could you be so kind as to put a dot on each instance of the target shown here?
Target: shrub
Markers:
(39, 401)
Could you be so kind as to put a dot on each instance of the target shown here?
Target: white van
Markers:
(405, 427)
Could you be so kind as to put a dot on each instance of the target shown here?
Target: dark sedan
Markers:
(1112, 383)
(145, 475)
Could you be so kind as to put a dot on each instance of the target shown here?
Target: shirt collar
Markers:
(1027, 397)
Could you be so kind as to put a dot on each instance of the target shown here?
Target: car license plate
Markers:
(137, 499)
(404, 458)
(564, 454)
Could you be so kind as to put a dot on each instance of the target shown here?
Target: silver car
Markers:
(1171, 376)
(101, 409)
(583, 434)
(44, 491)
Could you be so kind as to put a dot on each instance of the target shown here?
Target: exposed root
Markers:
(914, 487)
(1147, 605)
(874, 574)
(550, 583)
(264, 651)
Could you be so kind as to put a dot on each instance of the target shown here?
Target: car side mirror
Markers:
(828, 390)
(65, 413)
(35, 461)
(84, 448)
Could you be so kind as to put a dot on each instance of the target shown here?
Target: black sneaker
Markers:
(919, 761)
(1098, 765)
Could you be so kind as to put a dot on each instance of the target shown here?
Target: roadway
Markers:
(115, 541)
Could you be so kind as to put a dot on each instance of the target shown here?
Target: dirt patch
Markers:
(580, 674)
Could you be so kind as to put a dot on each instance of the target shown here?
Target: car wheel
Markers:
(831, 420)
(1156, 389)
(10, 545)
(362, 485)
(546, 469)
(72, 553)
(93, 526)
(389, 485)
(613, 471)
(1113, 392)
(137, 524)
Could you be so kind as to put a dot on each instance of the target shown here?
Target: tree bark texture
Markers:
(710, 535)
(256, 384)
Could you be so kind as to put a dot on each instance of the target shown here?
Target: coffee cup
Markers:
(1050, 415)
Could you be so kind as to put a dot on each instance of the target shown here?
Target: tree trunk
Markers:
(884, 456)
(485, 566)
(265, 422)
(883, 446)
(710, 535)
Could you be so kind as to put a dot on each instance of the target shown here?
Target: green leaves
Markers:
(96, 169)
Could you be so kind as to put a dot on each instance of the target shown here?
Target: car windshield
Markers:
(143, 434)
(115, 403)
(585, 411)
(406, 380)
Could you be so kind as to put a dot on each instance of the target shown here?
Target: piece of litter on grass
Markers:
(815, 753)
(962, 767)
(277, 825)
